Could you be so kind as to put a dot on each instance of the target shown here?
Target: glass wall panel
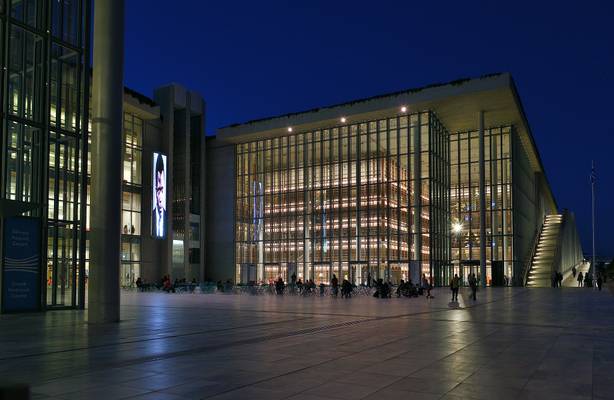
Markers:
(465, 202)
(338, 201)
(43, 99)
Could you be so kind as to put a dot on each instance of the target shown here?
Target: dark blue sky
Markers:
(252, 59)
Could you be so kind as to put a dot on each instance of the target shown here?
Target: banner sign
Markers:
(21, 264)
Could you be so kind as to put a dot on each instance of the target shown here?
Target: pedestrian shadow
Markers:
(454, 304)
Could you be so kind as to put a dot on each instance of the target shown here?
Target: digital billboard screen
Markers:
(158, 213)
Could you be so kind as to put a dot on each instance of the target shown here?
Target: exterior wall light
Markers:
(343, 120)
(289, 129)
(403, 109)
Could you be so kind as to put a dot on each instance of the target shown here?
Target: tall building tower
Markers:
(44, 108)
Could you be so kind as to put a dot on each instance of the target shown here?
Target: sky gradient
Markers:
(257, 59)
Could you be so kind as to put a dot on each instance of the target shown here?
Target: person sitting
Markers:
(386, 292)
(168, 285)
(279, 286)
(346, 289)
(378, 283)
(299, 285)
(139, 284)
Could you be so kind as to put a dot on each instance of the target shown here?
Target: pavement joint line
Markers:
(306, 331)
(439, 360)
(320, 329)
(264, 338)
(315, 365)
(150, 339)
(546, 353)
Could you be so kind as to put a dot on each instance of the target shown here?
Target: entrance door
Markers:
(468, 267)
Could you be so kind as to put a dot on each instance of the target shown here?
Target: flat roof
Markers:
(457, 105)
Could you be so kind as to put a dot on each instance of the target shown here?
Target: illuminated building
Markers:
(337, 190)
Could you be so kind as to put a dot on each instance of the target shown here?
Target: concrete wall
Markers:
(151, 249)
(530, 204)
(220, 189)
(183, 115)
(570, 250)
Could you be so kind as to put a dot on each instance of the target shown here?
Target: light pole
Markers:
(593, 180)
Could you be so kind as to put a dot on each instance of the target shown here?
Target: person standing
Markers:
(454, 284)
(473, 284)
(580, 279)
(426, 287)
(599, 282)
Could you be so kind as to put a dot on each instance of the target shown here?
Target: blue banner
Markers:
(21, 264)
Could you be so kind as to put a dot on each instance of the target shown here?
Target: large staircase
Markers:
(540, 272)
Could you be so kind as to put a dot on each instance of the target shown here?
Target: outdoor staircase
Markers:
(540, 272)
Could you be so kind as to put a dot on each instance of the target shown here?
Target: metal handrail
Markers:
(527, 265)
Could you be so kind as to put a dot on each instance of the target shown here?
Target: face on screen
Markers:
(160, 190)
(158, 203)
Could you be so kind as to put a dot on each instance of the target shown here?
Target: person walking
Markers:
(599, 282)
(473, 284)
(335, 285)
(426, 286)
(587, 280)
(580, 279)
(454, 284)
(574, 271)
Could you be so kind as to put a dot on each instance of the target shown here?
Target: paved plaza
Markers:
(511, 344)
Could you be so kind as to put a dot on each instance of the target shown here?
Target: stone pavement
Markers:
(511, 344)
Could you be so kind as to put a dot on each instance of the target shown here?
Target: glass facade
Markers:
(44, 56)
(359, 199)
(131, 200)
(465, 202)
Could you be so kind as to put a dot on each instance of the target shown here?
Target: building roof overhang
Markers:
(457, 104)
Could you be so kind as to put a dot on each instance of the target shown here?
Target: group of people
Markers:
(309, 287)
(383, 289)
(586, 280)
(455, 282)
(556, 279)
(408, 289)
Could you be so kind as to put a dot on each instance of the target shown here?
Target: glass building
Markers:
(439, 180)
(345, 201)
(44, 58)
(45, 167)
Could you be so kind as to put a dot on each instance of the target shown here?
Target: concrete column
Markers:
(482, 202)
(415, 274)
(187, 182)
(107, 118)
